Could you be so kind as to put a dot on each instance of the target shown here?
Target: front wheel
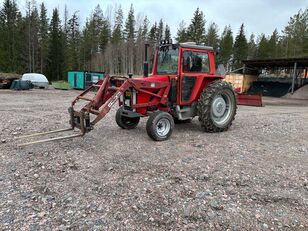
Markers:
(217, 107)
(124, 121)
(160, 126)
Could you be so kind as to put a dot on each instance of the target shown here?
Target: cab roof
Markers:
(195, 46)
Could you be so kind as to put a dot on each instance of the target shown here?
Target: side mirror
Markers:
(221, 70)
(217, 52)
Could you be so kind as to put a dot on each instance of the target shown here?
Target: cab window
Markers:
(195, 62)
(167, 61)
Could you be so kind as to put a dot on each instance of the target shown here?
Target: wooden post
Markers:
(294, 75)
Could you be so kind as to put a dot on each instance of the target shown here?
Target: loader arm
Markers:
(109, 93)
(99, 105)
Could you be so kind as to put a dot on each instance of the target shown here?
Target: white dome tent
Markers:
(38, 80)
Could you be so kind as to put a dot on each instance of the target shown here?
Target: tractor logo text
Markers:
(116, 97)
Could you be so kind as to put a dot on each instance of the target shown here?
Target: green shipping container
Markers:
(83, 79)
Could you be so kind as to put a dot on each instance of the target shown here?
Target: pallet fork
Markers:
(50, 139)
(80, 119)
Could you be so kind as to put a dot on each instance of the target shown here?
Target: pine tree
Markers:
(65, 24)
(73, 43)
(118, 24)
(10, 17)
(117, 42)
(212, 38)
(140, 43)
(252, 47)
(105, 34)
(225, 47)
(196, 29)
(167, 33)
(263, 47)
(281, 48)
(182, 35)
(145, 28)
(153, 33)
(43, 38)
(95, 38)
(240, 48)
(129, 30)
(21, 65)
(32, 40)
(96, 24)
(55, 57)
(272, 44)
(64, 36)
(296, 35)
(160, 30)
(86, 46)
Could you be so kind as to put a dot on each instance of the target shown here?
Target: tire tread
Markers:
(204, 106)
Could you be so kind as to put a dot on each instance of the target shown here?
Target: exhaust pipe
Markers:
(146, 63)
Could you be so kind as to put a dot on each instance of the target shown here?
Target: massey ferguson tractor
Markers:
(183, 85)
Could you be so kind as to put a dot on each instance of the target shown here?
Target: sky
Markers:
(259, 16)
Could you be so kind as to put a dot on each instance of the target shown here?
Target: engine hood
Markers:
(157, 78)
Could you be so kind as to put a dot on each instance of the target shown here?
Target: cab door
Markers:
(194, 66)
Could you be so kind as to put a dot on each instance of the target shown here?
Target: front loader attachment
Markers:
(108, 91)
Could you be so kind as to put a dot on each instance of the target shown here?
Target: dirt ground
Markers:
(252, 177)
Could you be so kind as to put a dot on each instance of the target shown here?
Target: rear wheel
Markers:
(124, 121)
(217, 107)
(160, 126)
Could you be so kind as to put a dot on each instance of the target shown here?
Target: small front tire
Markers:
(160, 126)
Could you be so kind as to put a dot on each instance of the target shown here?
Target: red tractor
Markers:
(183, 84)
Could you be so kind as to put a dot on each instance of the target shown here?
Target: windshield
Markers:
(167, 61)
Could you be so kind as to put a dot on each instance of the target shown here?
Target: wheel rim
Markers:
(221, 109)
(163, 126)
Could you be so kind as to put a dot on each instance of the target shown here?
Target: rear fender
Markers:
(206, 81)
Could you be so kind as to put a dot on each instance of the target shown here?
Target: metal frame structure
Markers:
(289, 63)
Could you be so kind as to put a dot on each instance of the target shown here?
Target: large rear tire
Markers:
(124, 121)
(160, 126)
(217, 107)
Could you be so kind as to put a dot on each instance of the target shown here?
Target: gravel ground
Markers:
(252, 177)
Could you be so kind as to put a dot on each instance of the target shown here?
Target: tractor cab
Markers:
(189, 68)
(177, 59)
